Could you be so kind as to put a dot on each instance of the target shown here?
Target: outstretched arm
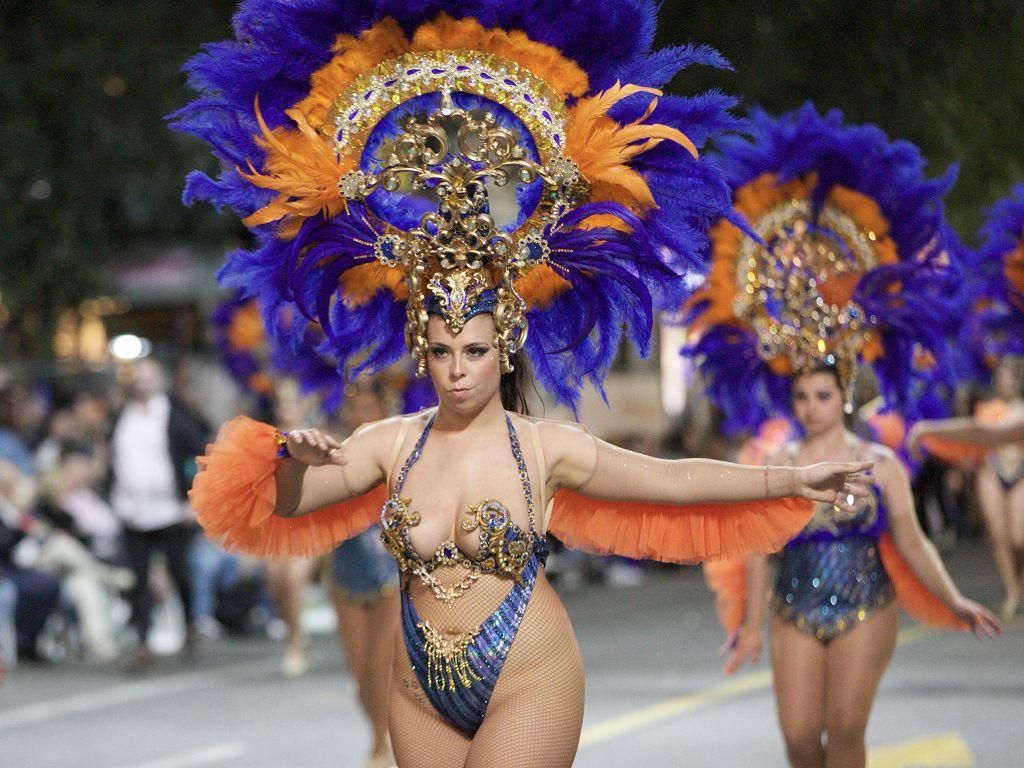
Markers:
(920, 554)
(322, 471)
(967, 430)
(592, 467)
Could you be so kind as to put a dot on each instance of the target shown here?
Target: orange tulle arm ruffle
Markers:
(955, 452)
(727, 579)
(234, 495)
(684, 533)
(919, 602)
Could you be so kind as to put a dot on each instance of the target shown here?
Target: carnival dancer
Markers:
(851, 266)
(992, 443)
(443, 182)
(993, 336)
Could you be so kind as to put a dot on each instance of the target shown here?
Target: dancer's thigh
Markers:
(1015, 514)
(541, 730)
(798, 668)
(420, 738)
(993, 504)
(856, 661)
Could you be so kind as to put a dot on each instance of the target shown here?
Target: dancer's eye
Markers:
(438, 353)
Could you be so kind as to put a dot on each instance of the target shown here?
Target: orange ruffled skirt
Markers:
(234, 495)
(683, 533)
(727, 581)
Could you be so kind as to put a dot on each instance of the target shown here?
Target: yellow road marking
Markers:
(631, 721)
(945, 749)
(738, 686)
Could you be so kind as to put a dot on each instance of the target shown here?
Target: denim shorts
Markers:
(363, 570)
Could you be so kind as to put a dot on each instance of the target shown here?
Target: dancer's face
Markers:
(362, 407)
(465, 368)
(817, 402)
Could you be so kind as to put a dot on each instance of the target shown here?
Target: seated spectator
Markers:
(8, 633)
(219, 576)
(71, 503)
(61, 428)
(34, 546)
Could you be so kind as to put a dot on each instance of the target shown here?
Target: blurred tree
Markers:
(945, 74)
(89, 173)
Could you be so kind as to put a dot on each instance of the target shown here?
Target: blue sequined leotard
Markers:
(830, 576)
(458, 672)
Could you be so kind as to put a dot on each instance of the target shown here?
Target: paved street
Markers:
(654, 697)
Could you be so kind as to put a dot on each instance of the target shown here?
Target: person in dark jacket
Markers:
(155, 441)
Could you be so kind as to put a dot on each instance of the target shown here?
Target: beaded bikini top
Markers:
(505, 548)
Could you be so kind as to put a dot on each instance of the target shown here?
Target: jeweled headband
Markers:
(853, 264)
(390, 159)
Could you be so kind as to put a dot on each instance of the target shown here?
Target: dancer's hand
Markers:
(315, 448)
(982, 621)
(839, 483)
(743, 646)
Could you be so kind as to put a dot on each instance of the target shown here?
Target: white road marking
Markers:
(217, 753)
(123, 693)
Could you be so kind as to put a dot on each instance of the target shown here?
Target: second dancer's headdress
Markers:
(853, 264)
(397, 159)
(995, 286)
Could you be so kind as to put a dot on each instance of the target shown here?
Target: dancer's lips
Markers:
(459, 391)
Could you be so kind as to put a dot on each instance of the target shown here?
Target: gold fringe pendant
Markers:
(447, 660)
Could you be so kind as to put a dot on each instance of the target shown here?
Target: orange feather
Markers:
(302, 167)
(603, 148)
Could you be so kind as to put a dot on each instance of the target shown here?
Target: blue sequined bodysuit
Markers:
(830, 576)
(458, 672)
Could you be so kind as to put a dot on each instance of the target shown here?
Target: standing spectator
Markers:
(155, 442)
(15, 403)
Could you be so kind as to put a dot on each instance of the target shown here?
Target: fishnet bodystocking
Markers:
(536, 711)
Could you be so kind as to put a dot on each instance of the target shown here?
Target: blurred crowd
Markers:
(95, 528)
(97, 537)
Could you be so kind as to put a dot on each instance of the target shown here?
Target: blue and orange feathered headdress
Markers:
(395, 159)
(241, 344)
(995, 286)
(853, 263)
(254, 358)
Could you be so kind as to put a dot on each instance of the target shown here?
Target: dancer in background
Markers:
(855, 267)
(994, 337)
(288, 578)
(994, 442)
(495, 177)
(365, 583)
